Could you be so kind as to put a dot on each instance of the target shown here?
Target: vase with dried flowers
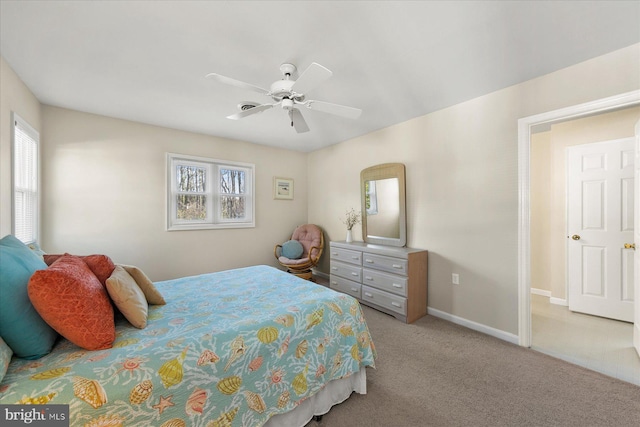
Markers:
(352, 218)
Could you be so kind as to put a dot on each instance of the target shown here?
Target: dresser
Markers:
(387, 278)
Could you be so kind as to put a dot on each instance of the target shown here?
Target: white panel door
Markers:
(636, 320)
(600, 194)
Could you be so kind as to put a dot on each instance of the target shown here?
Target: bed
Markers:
(243, 347)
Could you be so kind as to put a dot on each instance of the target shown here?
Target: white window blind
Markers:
(25, 181)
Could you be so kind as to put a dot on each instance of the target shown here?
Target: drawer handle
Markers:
(368, 294)
(397, 266)
(355, 257)
(334, 253)
(334, 268)
(354, 274)
(334, 283)
(395, 285)
(354, 289)
(395, 304)
(369, 278)
(370, 261)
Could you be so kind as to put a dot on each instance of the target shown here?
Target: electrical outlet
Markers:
(455, 278)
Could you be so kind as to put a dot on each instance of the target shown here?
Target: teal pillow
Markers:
(36, 249)
(21, 326)
(292, 249)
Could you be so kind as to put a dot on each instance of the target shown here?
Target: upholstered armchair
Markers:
(300, 254)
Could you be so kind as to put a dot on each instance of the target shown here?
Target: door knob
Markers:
(630, 246)
(575, 237)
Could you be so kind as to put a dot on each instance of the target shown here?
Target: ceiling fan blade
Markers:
(311, 78)
(298, 121)
(237, 83)
(244, 113)
(338, 110)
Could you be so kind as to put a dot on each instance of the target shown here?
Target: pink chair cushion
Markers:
(289, 261)
(308, 235)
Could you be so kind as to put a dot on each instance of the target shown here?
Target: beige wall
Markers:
(462, 183)
(548, 212)
(16, 97)
(105, 192)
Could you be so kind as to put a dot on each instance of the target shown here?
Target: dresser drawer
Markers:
(347, 271)
(345, 255)
(345, 286)
(385, 263)
(384, 299)
(385, 281)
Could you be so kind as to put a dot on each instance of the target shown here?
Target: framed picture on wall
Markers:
(282, 188)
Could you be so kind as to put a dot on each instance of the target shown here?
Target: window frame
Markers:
(31, 132)
(212, 193)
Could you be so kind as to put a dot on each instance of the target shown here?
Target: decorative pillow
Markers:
(150, 292)
(128, 297)
(5, 358)
(22, 328)
(70, 298)
(292, 249)
(51, 258)
(101, 265)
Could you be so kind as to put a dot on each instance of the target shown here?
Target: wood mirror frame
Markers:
(384, 220)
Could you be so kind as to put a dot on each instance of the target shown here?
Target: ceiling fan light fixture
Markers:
(287, 104)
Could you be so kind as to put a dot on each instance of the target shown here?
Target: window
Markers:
(208, 193)
(25, 180)
(371, 197)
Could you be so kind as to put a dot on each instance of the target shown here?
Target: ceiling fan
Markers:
(290, 95)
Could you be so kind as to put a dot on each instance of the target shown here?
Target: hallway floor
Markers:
(599, 344)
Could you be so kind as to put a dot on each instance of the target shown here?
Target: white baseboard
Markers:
(558, 301)
(636, 336)
(541, 292)
(552, 300)
(506, 336)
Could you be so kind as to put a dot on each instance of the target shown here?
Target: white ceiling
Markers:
(146, 60)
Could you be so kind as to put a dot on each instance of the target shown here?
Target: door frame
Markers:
(525, 125)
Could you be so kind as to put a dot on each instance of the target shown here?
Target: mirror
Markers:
(383, 204)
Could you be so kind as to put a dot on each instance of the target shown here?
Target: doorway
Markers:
(525, 127)
(580, 180)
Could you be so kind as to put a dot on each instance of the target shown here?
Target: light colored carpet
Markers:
(436, 373)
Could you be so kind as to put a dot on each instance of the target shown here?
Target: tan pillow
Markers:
(150, 292)
(128, 297)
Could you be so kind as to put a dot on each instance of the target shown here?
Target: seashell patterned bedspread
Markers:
(230, 348)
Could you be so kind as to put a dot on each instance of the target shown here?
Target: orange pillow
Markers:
(101, 265)
(70, 298)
